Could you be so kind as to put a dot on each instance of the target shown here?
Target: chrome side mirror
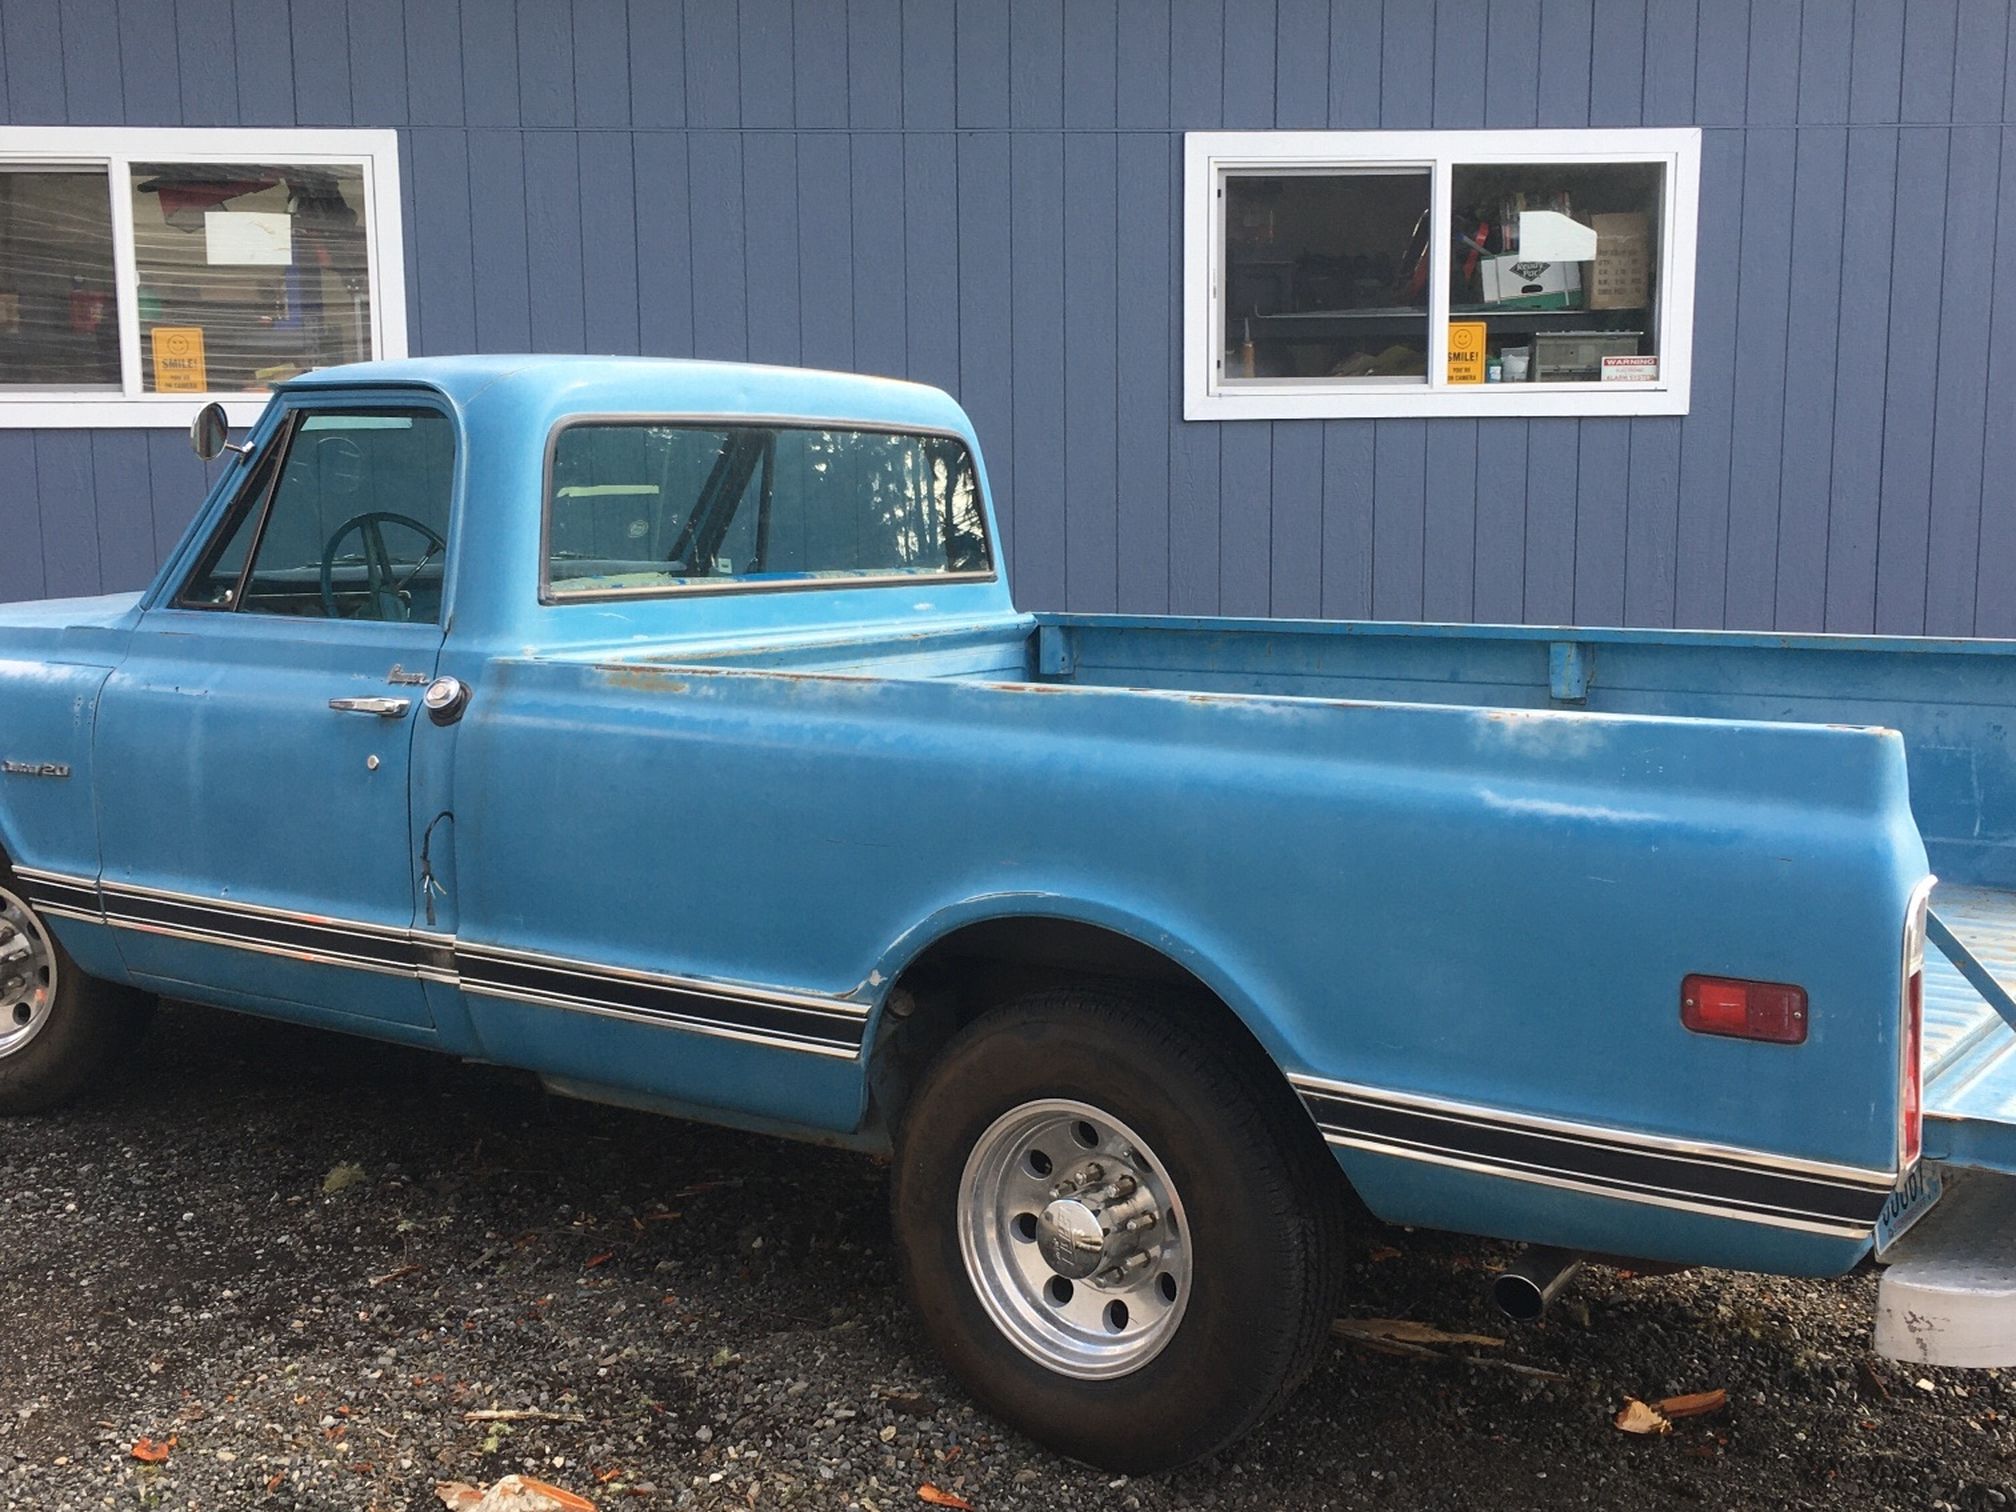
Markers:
(210, 431)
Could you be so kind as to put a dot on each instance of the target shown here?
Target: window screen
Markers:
(1556, 265)
(1326, 275)
(59, 319)
(635, 506)
(249, 273)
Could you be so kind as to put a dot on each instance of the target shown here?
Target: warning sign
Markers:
(178, 360)
(1630, 369)
(1466, 351)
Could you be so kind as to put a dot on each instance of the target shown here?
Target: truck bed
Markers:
(1952, 701)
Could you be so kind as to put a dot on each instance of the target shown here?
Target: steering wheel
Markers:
(386, 589)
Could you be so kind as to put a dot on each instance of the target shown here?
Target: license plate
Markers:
(1911, 1201)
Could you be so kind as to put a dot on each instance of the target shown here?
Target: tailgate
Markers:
(1970, 1028)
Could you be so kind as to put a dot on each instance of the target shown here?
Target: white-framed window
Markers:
(1374, 273)
(146, 271)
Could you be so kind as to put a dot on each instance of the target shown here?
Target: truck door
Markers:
(253, 749)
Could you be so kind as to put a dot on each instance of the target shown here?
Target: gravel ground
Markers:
(306, 1260)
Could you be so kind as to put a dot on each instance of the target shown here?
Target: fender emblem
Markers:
(400, 677)
(35, 768)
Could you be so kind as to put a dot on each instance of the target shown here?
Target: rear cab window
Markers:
(650, 507)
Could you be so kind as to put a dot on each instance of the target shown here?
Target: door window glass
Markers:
(356, 525)
(214, 584)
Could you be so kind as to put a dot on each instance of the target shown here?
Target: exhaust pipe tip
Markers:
(1520, 1298)
(1524, 1291)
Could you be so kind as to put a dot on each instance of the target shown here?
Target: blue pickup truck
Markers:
(667, 729)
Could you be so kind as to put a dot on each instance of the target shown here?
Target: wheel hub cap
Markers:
(1070, 1237)
(27, 974)
(1074, 1239)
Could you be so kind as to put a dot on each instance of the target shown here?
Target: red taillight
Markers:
(1771, 1011)
(1911, 1088)
(1914, 1068)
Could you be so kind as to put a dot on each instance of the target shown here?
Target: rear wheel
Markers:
(1120, 1241)
(58, 1027)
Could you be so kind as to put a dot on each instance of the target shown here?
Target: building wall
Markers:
(985, 195)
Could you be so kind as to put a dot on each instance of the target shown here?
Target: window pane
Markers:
(214, 583)
(249, 273)
(363, 497)
(1325, 275)
(59, 320)
(1560, 263)
(655, 506)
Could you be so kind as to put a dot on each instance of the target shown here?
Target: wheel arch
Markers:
(967, 959)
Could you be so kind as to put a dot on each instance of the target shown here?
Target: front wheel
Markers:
(1117, 1238)
(58, 1027)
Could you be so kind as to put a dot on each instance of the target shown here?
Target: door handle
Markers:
(384, 708)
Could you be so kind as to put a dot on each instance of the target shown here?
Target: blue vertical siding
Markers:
(1994, 605)
(770, 221)
(1295, 578)
(1498, 579)
(988, 196)
(1399, 517)
(1347, 518)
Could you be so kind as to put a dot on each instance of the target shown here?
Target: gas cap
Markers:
(445, 699)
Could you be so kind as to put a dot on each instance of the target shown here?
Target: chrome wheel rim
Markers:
(1074, 1239)
(27, 974)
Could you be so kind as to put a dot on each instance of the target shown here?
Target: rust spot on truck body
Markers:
(642, 677)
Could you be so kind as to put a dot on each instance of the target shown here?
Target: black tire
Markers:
(89, 1023)
(1262, 1197)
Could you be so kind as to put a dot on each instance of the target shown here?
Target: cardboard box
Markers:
(1512, 282)
(1621, 276)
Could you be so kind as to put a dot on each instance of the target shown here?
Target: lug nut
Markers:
(1119, 1189)
(1118, 1273)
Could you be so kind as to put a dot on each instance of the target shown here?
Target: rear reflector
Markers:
(1771, 1011)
